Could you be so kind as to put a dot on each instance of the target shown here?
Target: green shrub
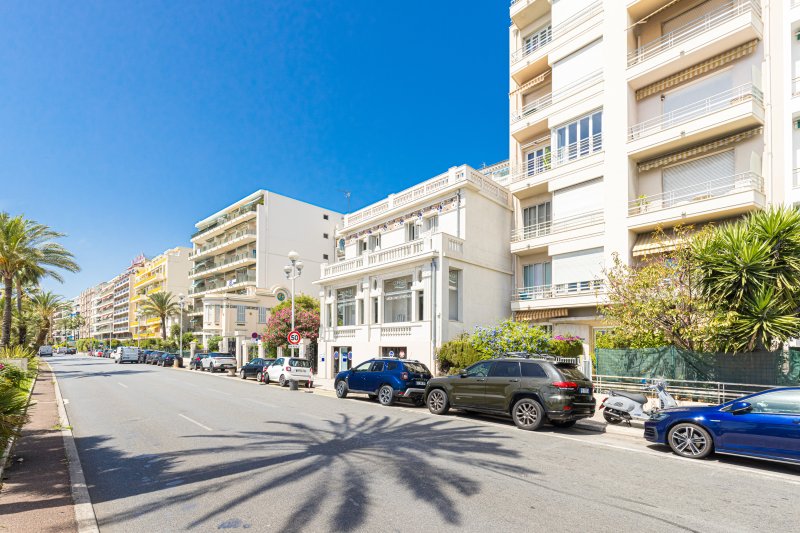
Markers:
(213, 343)
(13, 375)
(566, 346)
(458, 354)
(13, 407)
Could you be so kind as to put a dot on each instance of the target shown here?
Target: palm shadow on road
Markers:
(344, 463)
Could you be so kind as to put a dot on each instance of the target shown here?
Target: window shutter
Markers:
(584, 265)
(690, 179)
(578, 199)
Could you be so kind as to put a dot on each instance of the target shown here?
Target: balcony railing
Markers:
(554, 97)
(213, 267)
(543, 292)
(687, 113)
(558, 157)
(694, 193)
(229, 217)
(709, 21)
(549, 227)
(224, 241)
(223, 284)
(544, 36)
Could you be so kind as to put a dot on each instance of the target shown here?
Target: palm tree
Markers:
(26, 245)
(28, 277)
(161, 305)
(45, 305)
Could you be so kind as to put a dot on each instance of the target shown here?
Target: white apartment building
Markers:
(238, 259)
(417, 269)
(167, 272)
(103, 311)
(628, 115)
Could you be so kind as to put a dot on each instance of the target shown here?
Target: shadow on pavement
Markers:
(374, 453)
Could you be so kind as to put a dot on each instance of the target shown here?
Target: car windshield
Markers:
(570, 371)
(219, 355)
(300, 363)
(417, 368)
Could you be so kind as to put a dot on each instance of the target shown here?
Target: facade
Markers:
(86, 310)
(103, 311)
(700, 133)
(417, 269)
(166, 272)
(238, 259)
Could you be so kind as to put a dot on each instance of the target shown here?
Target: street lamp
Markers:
(139, 317)
(181, 299)
(293, 272)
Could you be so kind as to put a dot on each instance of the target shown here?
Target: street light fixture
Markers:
(293, 271)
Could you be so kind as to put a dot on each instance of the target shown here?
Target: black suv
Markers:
(530, 389)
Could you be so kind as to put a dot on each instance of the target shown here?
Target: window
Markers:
(360, 313)
(374, 242)
(537, 160)
(397, 299)
(217, 309)
(578, 138)
(536, 220)
(363, 367)
(576, 270)
(375, 311)
(537, 39)
(330, 315)
(391, 365)
(478, 370)
(454, 286)
(324, 217)
(420, 305)
(537, 274)
(300, 363)
(324, 257)
(361, 246)
(785, 402)
(240, 314)
(324, 235)
(377, 366)
(262, 315)
(346, 306)
(699, 178)
(412, 232)
(505, 369)
(432, 224)
(533, 370)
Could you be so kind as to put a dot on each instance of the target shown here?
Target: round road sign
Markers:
(293, 337)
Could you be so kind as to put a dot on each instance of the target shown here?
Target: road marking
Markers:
(195, 422)
(65, 401)
(122, 384)
(220, 392)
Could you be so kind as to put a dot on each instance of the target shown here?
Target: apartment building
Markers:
(86, 310)
(627, 116)
(238, 261)
(167, 272)
(103, 311)
(417, 269)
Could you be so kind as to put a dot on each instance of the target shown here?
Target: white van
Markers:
(45, 351)
(126, 353)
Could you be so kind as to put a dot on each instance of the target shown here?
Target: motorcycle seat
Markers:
(638, 398)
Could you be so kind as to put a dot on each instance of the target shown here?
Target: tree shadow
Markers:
(346, 462)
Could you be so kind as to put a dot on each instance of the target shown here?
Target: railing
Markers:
(694, 193)
(224, 241)
(396, 253)
(544, 36)
(542, 292)
(344, 333)
(687, 113)
(559, 157)
(212, 267)
(395, 331)
(554, 97)
(148, 277)
(229, 217)
(700, 391)
(549, 227)
(222, 284)
(721, 15)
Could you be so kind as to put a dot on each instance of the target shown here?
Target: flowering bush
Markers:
(566, 346)
(280, 323)
(509, 336)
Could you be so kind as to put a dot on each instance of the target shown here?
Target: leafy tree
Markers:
(175, 330)
(280, 324)
(161, 305)
(302, 302)
(45, 306)
(213, 343)
(509, 336)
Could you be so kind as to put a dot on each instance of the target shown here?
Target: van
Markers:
(126, 354)
(45, 351)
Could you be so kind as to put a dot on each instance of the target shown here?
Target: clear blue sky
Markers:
(125, 123)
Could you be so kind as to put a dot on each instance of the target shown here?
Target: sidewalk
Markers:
(36, 495)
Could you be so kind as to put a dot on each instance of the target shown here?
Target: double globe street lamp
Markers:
(293, 271)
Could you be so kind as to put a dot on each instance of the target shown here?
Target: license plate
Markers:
(423, 383)
(585, 391)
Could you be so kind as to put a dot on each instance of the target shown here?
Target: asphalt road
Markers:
(174, 450)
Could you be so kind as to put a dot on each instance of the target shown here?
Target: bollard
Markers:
(292, 384)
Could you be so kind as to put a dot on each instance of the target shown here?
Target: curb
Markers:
(13, 440)
(84, 512)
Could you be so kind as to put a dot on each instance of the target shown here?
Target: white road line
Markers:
(220, 392)
(122, 384)
(195, 422)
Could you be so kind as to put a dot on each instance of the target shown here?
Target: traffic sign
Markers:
(293, 337)
(254, 335)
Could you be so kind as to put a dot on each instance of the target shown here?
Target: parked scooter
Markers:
(621, 406)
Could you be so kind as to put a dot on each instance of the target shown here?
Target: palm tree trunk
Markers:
(22, 329)
(7, 307)
(163, 327)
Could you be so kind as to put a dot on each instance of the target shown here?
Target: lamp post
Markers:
(293, 271)
(181, 299)
(139, 317)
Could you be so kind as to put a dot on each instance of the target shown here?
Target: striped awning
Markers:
(708, 65)
(539, 314)
(667, 240)
(532, 83)
(698, 150)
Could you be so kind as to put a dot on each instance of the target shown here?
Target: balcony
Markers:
(223, 285)
(226, 243)
(228, 220)
(735, 22)
(531, 58)
(525, 12)
(538, 236)
(573, 294)
(228, 263)
(731, 110)
(410, 251)
(154, 275)
(713, 199)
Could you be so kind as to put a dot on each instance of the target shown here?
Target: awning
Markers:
(659, 242)
(539, 314)
(660, 9)
(698, 150)
(532, 83)
(699, 69)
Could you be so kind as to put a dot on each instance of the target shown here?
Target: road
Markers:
(174, 450)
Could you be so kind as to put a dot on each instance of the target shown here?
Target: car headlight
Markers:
(658, 417)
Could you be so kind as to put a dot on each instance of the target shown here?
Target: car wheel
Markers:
(690, 440)
(242, 374)
(211, 368)
(266, 378)
(528, 414)
(341, 389)
(564, 423)
(260, 377)
(282, 381)
(386, 395)
(438, 403)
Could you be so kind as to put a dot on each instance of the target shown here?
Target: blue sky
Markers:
(125, 123)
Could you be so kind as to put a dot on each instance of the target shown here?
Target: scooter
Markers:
(623, 406)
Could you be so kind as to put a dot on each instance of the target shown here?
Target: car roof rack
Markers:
(528, 355)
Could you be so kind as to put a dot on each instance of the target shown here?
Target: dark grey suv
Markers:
(529, 389)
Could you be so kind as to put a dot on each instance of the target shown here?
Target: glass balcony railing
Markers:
(542, 229)
(544, 292)
(211, 285)
(222, 241)
(558, 157)
(704, 190)
(229, 217)
(211, 267)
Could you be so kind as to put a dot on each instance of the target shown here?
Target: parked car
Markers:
(71, 351)
(386, 380)
(153, 357)
(126, 354)
(764, 425)
(530, 389)
(98, 353)
(196, 362)
(45, 351)
(108, 353)
(255, 368)
(143, 355)
(284, 369)
(168, 359)
(61, 351)
(218, 361)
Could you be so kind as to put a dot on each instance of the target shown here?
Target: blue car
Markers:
(385, 380)
(765, 425)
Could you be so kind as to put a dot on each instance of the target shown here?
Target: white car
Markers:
(285, 369)
(218, 361)
(126, 354)
(45, 351)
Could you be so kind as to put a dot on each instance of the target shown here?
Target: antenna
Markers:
(346, 195)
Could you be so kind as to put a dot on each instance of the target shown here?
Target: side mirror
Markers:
(463, 373)
(739, 408)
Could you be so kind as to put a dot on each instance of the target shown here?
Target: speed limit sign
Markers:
(293, 337)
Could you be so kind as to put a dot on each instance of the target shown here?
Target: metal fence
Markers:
(715, 392)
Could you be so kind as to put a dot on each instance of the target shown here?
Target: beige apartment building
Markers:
(86, 310)
(629, 115)
(238, 260)
(103, 311)
(167, 272)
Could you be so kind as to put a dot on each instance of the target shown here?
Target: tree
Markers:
(509, 336)
(26, 245)
(302, 302)
(45, 306)
(213, 343)
(280, 323)
(175, 330)
(161, 305)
